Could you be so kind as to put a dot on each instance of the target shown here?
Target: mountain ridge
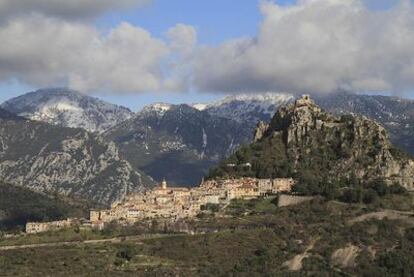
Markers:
(67, 108)
(69, 161)
(179, 142)
(161, 146)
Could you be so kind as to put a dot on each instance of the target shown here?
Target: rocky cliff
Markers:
(394, 113)
(68, 161)
(302, 138)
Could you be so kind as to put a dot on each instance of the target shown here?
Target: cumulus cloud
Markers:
(316, 46)
(68, 9)
(183, 38)
(43, 51)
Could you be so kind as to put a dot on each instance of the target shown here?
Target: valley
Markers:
(308, 192)
(259, 238)
(268, 138)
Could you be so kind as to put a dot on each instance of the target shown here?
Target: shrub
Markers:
(397, 263)
(396, 188)
(127, 252)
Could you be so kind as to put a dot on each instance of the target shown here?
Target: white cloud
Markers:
(313, 46)
(183, 38)
(43, 51)
(316, 46)
(65, 8)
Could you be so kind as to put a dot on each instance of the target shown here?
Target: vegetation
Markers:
(351, 228)
(328, 155)
(257, 241)
(19, 205)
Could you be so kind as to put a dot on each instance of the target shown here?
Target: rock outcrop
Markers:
(302, 138)
(345, 257)
(260, 131)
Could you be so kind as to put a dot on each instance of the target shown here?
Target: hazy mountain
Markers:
(67, 108)
(68, 161)
(177, 142)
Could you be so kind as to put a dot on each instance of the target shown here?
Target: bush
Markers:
(127, 252)
(380, 187)
(210, 207)
(370, 196)
(396, 188)
(351, 196)
(397, 263)
(409, 234)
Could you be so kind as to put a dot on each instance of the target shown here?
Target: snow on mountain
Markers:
(158, 108)
(200, 106)
(68, 108)
(249, 108)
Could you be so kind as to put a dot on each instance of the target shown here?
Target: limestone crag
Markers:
(260, 131)
(68, 161)
(301, 137)
(363, 144)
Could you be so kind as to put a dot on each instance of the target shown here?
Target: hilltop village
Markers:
(180, 202)
(173, 202)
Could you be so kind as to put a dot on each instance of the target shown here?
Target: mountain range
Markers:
(177, 142)
(247, 108)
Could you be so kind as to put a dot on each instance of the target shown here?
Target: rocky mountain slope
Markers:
(68, 161)
(67, 108)
(394, 113)
(247, 108)
(155, 140)
(301, 139)
(177, 142)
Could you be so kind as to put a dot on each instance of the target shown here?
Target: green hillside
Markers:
(19, 205)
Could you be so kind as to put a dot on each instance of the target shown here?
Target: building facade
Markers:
(178, 202)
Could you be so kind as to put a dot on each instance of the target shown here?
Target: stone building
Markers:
(245, 191)
(39, 227)
(282, 185)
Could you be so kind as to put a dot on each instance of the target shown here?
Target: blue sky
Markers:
(216, 21)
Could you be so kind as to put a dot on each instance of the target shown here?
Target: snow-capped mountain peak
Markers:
(247, 107)
(158, 108)
(200, 106)
(268, 97)
(69, 108)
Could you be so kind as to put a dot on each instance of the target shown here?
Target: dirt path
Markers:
(68, 243)
(389, 214)
(295, 263)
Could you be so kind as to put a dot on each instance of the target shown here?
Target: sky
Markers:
(136, 52)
